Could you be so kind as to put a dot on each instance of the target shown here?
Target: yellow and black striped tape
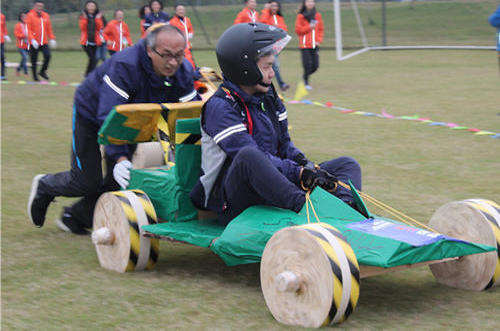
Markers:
(135, 239)
(491, 212)
(149, 209)
(336, 265)
(187, 139)
(164, 137)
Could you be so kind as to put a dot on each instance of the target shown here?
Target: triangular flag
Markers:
(300, 91)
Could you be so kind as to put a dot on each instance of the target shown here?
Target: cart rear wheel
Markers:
(120, 243)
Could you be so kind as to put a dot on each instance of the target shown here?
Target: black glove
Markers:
(327, 181)
(303, 161)
(312, 177)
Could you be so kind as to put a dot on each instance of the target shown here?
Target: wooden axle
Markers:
(287, 281)
(103, 236)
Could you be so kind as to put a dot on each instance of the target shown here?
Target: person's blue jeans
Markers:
(276, 68)
(100, 53)
(22, 63)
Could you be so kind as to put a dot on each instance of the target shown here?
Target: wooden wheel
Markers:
(309, 276)
(120, 243)
(475, 220)
(148, 155)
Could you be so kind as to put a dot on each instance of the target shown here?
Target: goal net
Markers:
(361, 26)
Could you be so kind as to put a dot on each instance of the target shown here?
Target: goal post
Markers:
(411, 42)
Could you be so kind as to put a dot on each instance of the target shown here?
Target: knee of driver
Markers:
(350, 163)
(248, 155)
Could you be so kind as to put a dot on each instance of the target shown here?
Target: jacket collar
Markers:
(255, 99)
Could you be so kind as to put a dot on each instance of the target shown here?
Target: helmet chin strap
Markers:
(261, 83)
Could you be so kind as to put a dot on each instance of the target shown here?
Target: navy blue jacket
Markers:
(226, 128)
(128, 77)
(153, 18)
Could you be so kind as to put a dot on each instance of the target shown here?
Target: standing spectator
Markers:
(41, 36)
(90, 38)
(117, 34)
(157, 14)
(248, 14)
(154, 70)
(100, 53)
(271, 15)
(21, 34)
(309, 28)
(495, 22)
(183, 23)
(145, 10)
(4, 36)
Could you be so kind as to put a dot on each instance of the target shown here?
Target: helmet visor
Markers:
(274, 48)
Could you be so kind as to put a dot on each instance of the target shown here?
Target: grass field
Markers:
(457, 22)
(52, 280)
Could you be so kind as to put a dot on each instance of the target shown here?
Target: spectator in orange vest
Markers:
(248, 14)
(4, 36)
(271, 15)
(309, 28)
(90, 38)
(183, 23)
(117, 34)
(143, 11)
(21, 34)
(40, 37)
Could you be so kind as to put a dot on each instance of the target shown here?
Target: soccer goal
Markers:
(361, 26)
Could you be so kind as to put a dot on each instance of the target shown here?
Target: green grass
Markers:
(52, 280)
(435, 22)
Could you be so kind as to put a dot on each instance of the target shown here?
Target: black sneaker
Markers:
(69, 224)
(43, 74)
(38, 202)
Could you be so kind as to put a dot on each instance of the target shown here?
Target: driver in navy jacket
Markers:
(152, 71)
(248, 157)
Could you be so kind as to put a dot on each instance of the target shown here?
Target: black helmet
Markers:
(240, 47)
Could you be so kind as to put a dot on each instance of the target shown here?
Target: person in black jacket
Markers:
(154, 70)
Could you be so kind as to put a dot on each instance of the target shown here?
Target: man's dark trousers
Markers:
(34, 58)
(85, 178)
(252, 179)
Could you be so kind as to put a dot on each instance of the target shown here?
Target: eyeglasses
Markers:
(169, 56)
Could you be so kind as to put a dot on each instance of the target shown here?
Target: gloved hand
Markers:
(7, 39)
(312, 177)
(35, 44)
(303, 161)
(121, 173)
(52, 43)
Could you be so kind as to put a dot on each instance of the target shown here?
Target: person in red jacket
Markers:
(90, 37)
(117, 34)
(183, 23)
(248, 14)
(271, 15)
(143, 11)
(309, 28)
(40, 37)
(21, 34)
(4, 37)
